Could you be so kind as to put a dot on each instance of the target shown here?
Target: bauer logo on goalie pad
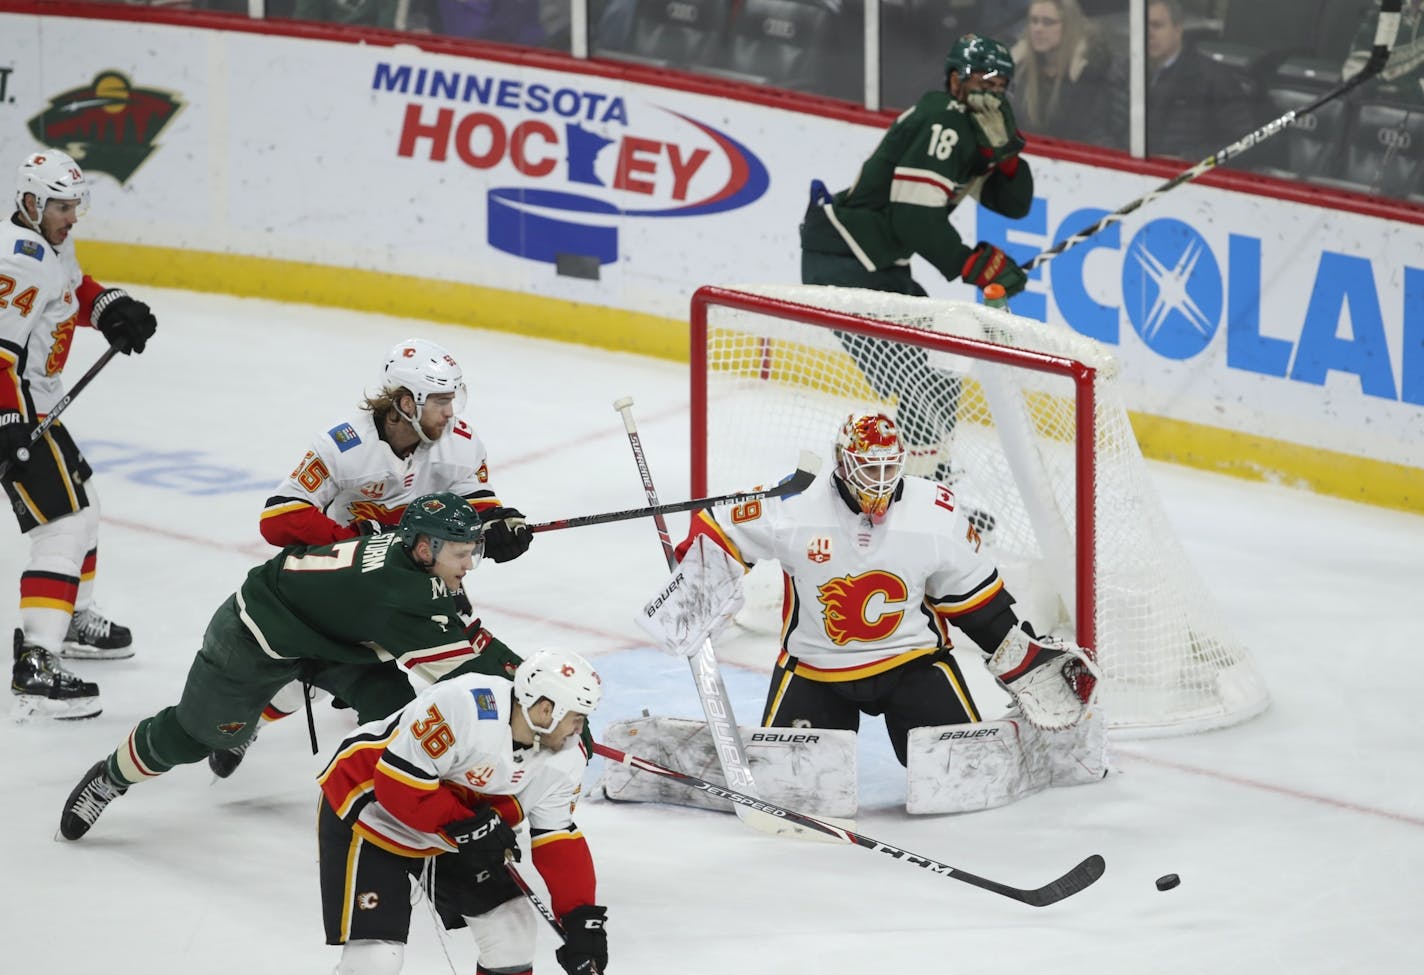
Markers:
(697, 602)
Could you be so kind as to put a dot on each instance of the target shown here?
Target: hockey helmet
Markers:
(565, 678)
(442, 517)
(49, 175)
(870, 459)
(425, 369)
(972, 54)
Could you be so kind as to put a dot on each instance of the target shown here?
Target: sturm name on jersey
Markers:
(375, 555)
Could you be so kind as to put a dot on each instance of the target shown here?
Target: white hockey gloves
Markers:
(1041, 674)
(698, 600)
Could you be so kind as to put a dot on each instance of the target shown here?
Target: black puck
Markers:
(1168, 881)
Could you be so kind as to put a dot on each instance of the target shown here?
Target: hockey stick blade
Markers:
(798, 481)
(1079, 878)
(1379, 55)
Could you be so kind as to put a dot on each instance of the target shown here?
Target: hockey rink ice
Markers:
(1299, 836)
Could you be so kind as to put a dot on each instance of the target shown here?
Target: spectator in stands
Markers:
(1067, 84)
(1194, 105)
(1402, 79)
(509, 21)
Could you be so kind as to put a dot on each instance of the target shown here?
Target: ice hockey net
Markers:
(1027, 424)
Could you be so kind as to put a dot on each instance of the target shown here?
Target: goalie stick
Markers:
(798, 481)
(41, 428)
(706, 675)
(1075, 880)
(1379, 55)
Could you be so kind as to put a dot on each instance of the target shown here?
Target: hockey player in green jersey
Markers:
(958, 141)
(330, 615)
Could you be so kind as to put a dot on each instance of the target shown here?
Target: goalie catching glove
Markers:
(697, 602)
(1042, 674)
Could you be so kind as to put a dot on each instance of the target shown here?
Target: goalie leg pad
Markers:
(967, 767)
(811, 770)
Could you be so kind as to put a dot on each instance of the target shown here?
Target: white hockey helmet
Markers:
(564, 678)
(49, 175)
(870, 459)
(426, 370)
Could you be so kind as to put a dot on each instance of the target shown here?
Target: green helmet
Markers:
(445, 517)
(985, 55)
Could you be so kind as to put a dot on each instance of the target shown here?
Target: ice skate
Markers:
(225, 762)
(42, 686)
(90, 797)
(92, 636)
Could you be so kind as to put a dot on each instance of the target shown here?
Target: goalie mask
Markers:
(49, 175)
(870, 461)
(565, 678)
(443, 517)
(425, 369)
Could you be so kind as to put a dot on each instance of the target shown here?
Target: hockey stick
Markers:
(41, 428)
(798, 481)
(706, 676)
(541, 907)
(1379, 54)
(1075, 880)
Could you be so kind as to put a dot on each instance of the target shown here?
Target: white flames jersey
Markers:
(453, 738)
(39, 309)
(864, 598)
(350, 473)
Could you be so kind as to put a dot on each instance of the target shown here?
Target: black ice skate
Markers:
(91, 636)
(90, 797)
(225, 762)
(42, 686)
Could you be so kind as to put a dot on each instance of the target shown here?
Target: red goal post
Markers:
(1026, 423)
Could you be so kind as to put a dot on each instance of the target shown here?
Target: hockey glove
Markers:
(585, 949)
(988, 265)
(462, 605)
(368, 526)
(506, 535)
(1042, 674)
(15, 432)
(993, 121)
(126, 323)
(484, 839)
(697, 601)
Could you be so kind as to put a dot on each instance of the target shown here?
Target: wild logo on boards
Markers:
(108, 125)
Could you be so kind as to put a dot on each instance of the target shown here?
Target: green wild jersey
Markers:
(354, 600)
(927, 162)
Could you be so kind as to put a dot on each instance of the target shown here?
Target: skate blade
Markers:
(28, 706)
(78, 651)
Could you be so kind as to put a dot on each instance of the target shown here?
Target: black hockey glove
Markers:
(483, 839)
(15, 432)
(368, 526)
(506, 535)
(462, 605)
(988, 265)
(585, 949)
(126, 323)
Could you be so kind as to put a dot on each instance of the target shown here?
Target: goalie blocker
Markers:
(952, 768)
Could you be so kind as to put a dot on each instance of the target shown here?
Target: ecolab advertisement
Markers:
(1235, 312)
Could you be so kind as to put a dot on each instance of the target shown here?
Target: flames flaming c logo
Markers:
(847, 599)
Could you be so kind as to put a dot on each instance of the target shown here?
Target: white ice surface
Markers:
(1299, 837)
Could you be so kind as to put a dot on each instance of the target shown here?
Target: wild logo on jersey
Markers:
(847, 606)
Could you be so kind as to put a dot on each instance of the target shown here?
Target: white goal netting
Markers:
(1006, 436)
